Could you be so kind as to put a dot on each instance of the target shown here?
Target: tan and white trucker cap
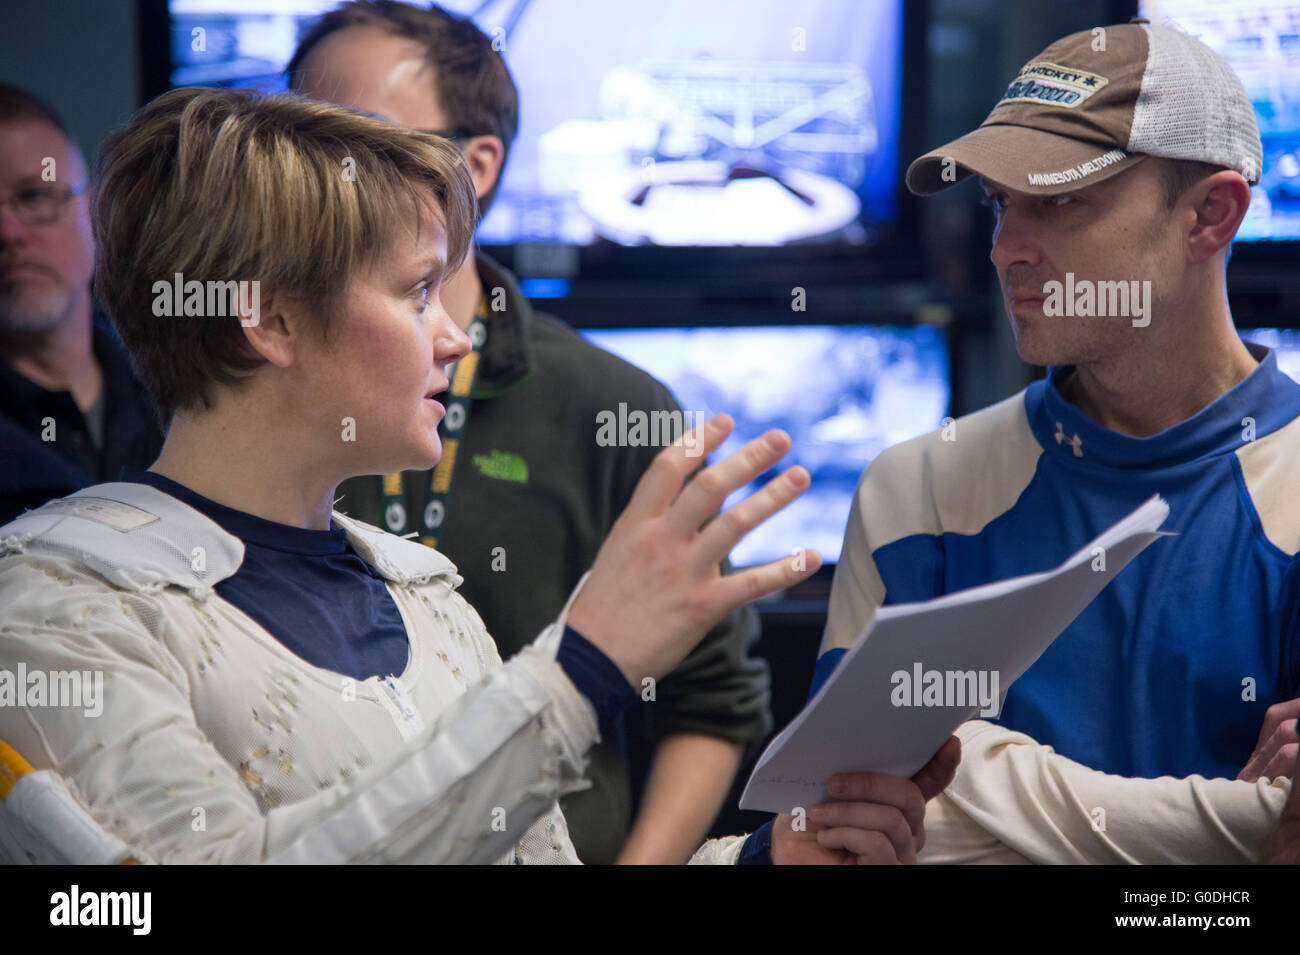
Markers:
(1095, 103)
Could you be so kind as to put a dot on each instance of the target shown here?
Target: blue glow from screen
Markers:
(1285, 343)
(544, 288)
(1260, 39)
(842, 393)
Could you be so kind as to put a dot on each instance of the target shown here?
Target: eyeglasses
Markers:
(41, 205)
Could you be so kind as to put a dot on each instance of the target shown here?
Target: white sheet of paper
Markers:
(854, 723)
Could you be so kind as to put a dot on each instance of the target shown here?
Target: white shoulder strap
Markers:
(397, 559)
(140, 538)
(133, 535)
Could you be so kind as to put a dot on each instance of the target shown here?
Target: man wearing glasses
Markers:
(71, 411)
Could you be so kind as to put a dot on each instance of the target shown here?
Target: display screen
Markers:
(843, 393)
(1260, 39)
(675, 123)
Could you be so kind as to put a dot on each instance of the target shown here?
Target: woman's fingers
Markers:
(703, 496)
(657, 566)
(879, 789)
(662, 483)
(753, 583)
(726, 530)
(867, 817)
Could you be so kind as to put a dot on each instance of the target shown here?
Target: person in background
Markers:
(71, 411)
(524, 495)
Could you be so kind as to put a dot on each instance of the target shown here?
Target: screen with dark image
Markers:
(842, 393)
(675, 123)
(1260, 39)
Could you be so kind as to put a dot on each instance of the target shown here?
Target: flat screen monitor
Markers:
(1260, 39)
(675, 123)
(843, 393)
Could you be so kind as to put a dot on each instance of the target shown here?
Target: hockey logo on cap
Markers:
(1055, 85)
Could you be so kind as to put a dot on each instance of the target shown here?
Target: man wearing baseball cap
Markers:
(1160, 726)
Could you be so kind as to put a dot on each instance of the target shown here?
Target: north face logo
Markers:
(503, 466)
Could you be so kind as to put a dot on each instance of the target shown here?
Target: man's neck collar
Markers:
(1139, 405)
(1255, 406)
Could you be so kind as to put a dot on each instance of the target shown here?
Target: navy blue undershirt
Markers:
(312, 592)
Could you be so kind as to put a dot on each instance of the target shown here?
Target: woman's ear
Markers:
(274, 333)
(485, 156)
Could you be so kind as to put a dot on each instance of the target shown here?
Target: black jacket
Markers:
(33, 470)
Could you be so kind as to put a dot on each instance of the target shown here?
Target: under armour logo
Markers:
(1075, 442)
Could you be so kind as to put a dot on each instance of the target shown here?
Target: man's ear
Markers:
(484, 155)
(1220, 202)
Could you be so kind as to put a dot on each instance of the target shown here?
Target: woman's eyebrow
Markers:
(27, 182)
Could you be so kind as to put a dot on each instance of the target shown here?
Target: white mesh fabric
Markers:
(546, 842)
(203, 710)
(116, 531)
(724, 851)
(215, 743)
(1192, 106)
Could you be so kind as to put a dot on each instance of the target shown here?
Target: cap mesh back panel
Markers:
(1192, 106)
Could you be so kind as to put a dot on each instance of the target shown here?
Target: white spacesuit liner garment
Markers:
(215, 743)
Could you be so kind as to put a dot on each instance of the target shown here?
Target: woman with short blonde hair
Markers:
(282, 682)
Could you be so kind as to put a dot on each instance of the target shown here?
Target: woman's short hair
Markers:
(225, 186)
